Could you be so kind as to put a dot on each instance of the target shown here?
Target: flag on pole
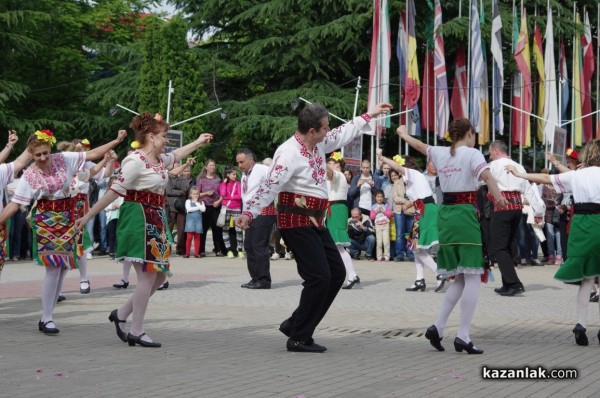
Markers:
(476, 68)
(523, 59)
(412, 90)
(401, 47)
(441, 81)
(564, 84)
(539, 64)
(428, 97)
(379, 76)
(484, 98)
(551, 97)
(498, 68)
(576, 111)
(587, 71)
(458, 103)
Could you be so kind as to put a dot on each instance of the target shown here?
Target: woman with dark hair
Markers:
(208, 183)
(142, 181)
(48, 181)
(460, 168)
(583, 266)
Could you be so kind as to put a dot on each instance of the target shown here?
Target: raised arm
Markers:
(22, 161)
(390, 162)
(175, 171)
(412, 141)
(98, 167)
(182, 152)
(97, 153)
(561, 167)
(533, 177)
(12, 140)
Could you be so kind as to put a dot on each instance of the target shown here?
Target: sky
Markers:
(164, 7)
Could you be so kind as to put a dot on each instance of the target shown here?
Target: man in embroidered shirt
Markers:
(256, 243)
(298, 178)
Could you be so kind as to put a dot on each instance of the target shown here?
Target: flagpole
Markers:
(426, 90)
(521, 133)
(536, 92)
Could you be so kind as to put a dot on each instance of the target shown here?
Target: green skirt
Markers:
(427, 226)
(152, 247)
(337, 224)
(583, 247)
(460, 240)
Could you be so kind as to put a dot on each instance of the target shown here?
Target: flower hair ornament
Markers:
(46, 135)
(86, 143)
(337, 156)
(135, 144)
(448, 137)
(399, 159)
(158, 117)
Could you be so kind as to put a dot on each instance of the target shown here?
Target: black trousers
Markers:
(504, 227)
(256, 245)
(209, 221)
(322, 269)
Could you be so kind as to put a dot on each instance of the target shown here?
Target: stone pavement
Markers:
(222, 341)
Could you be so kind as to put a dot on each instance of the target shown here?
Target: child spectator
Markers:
(380, 214)
(193, 222)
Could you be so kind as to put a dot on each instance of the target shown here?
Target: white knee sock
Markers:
(450, 299)
(468, 303)
(583, 301)
(350, 272)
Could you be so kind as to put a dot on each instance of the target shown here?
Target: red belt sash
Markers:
(460, 198)
(145, 198)
(513, 200)
(56, 205)
(289, 219)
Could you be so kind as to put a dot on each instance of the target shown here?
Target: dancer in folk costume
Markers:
(48, 181)
(460, 168)
(424, 233)
(142, 181)
(7, 173)
(583, 263)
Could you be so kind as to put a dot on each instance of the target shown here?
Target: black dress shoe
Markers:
(460, 345)
(61, 297)
(580, 336)
(164, 286)
(121, 285)
(133, 340)
(286, 328)
(595, 298)
(351, 283)
(114, 318)
(442, 278)
(259, 285)
(252, 282)
(43, 327)
(301, 346)
(418, 285)
(434, 338)
(511, 291)
(501, 289)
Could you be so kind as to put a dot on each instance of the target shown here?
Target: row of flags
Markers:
(436, 102)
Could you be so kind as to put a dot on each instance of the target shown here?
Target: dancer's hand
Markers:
(243, 221)
(379, 109)
(204, 139)
(12, 137)
(121, 135)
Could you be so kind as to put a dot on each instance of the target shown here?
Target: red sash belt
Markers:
(145, 198)
(269, 210)
(460, 198)
(314, 209)
(513, 200)
(56, 205)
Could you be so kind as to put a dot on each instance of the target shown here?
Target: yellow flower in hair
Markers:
(447, 137)
(337, 156)
(46, 135)
(85, 142)
(135, 144)
(399, 159)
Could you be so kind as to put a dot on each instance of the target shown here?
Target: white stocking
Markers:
(468, 303)
(450, 299)
(51, 289)
(83, 267)
(583, 300)
(126, 270)
(350, 272)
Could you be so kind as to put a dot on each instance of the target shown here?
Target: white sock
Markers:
(350, 272)
(468, 303)
(450, 299)
(583, 300)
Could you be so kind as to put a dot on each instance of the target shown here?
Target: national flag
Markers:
(442, 105)
(458, 102)
(523, 59)
(539, 64)
(551, 97)
(587, 71)
(498, 68)
(476, 68)
(564, 84)
(428, 97)
(576, 109)
(412, 83)
(401, 47)
(484, 98)
(379, 77)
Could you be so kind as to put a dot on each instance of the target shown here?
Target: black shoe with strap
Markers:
(460, 346)
(434, 338)
(114, 318)
(43, 327)
(121, 285)
(418, 285)
(351, 283)
(133, 340)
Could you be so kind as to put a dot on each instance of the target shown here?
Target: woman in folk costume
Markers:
(424, 233)
(583, 263)
(48, 181)
(337, 213)
(142, 181)
(7, 173)
(460, 168)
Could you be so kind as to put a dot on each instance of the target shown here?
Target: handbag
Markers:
(179, 204)
(221, 218)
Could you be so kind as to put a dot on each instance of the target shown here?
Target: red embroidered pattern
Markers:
(288, 220)
(158, 168)
(316, 161)
(513, 200)
(51, 183)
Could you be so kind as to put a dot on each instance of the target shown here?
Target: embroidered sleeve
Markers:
(74, 161)
(168, 160)
(278, 175)
(478, 163)
(563, 182)
(344, 134)
(131, 167)
(23, 193)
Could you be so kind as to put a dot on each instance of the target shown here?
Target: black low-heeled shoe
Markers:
(418, 285)
(114, 318)
(350, 284)
(460, 345)
(434, 338)
(121, 285)
(133, 340)
(580, 336)
(43, 327)
(598, 336)
(442, 280)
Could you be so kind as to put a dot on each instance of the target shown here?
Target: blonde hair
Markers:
(590, 156)
(192, 190)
